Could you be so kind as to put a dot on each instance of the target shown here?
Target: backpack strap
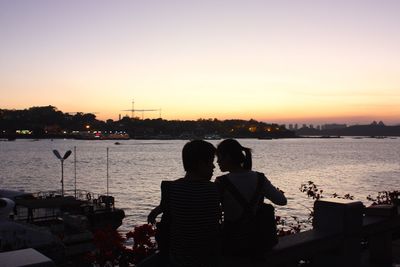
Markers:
(246, 205)
(259, 189)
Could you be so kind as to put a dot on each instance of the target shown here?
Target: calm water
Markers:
(136, 168)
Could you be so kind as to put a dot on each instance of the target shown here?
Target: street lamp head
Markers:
(67, 154)
(57, 154)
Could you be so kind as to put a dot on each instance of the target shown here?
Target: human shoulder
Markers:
(219, 179)
(262, 175)
(168, 183)
(248, 174)
(172, 181)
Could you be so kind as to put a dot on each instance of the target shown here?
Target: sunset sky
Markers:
(286, 61)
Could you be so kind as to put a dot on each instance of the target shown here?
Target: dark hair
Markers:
(235, 151)
(197, 151)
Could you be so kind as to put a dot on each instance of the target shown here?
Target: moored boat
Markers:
(99, 210)
(99, 135)
(60, 226)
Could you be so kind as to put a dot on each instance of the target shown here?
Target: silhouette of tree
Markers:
(48, 121)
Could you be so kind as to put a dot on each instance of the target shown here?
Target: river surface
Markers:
(136, 167)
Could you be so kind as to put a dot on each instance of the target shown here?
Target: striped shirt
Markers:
(195, 214)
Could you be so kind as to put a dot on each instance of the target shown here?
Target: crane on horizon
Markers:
(132, 110)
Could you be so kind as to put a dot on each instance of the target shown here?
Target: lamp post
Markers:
(66, 155)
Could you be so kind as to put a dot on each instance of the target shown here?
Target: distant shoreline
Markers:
(155, 138)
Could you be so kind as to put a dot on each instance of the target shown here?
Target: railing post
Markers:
(380, 236)
(343, 217)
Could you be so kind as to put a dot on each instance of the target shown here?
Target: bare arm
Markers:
(274, 194)
(151, 218)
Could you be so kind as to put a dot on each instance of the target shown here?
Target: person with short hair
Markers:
(192, 206)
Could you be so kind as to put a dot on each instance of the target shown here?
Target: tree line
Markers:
(49, 122)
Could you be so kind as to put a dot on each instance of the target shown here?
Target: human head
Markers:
(232, 155)
(198, 157)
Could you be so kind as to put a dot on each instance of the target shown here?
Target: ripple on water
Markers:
(137, 167)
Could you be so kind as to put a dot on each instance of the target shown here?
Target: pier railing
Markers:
(343, 231)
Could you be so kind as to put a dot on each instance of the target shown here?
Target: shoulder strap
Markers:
(233, 190)
(239, 197)
(259, 189)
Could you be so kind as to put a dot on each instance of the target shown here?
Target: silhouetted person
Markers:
(236, 159)
(192, 205)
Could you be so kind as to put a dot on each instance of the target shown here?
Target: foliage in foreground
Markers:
(385, 197)
(111, 251)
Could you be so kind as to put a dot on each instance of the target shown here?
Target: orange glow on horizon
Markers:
(269, 61)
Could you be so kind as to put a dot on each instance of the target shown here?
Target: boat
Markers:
(115, 136)
(37, 208)
(99, 135)
(60, 226)
(212, 137)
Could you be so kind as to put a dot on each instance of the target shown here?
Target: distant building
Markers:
(380, 123)
(290, 126)
(333, 126)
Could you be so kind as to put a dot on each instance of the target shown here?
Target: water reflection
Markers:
(357, 166)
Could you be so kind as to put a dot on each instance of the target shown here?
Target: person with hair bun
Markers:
(251, 186)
